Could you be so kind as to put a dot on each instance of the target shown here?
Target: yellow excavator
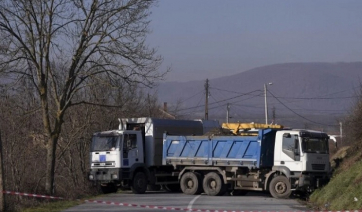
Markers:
(248, 129)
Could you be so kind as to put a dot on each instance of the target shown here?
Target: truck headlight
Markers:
(91, 177)
(114, 176)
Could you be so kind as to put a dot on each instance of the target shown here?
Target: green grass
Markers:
(340, 192)
(54, 206)
(59, 205)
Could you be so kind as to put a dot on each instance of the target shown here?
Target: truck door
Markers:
(290, 154)
(131, 152)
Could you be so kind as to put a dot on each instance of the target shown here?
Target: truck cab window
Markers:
(105, 143)
(130, 141)
(289, 145)
(315, 145)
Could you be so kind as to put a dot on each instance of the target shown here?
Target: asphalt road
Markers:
(253, 201)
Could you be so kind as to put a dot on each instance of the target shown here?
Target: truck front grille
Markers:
(103, 164)
(318, 167)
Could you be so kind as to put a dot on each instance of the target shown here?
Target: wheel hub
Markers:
(140, 182)
(280, 187)
(190, 183)
(213, 184)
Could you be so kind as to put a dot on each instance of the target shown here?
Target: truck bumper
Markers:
(313, 181)
(104, 175)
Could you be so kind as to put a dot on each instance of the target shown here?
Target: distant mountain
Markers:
(301, 94)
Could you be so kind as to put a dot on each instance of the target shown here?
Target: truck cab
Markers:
(131, 157)
(303, 157)
(113, 155)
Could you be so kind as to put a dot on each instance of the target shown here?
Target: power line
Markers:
(317, 98)
(220, 100)
(233, 103)
(191, 96)
(316, 110)
(259, 95)
(298, 113)
(212, 96)
(231, 91)
(310, 98)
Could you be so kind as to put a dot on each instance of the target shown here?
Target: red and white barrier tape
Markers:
(197, 210)
(158, 207)
(31, 195)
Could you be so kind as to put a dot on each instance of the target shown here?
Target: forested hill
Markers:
(300, 94)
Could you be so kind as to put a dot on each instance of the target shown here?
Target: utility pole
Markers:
(227, 112)
(266, 105)
(274, 115)
(341, 132)
(207, 99)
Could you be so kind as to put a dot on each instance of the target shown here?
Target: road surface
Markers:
(253, 201)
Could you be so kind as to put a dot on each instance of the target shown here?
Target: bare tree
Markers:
(65, 47)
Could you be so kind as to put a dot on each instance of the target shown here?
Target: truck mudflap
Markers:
(313, 181)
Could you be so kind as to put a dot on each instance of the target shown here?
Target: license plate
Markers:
(103, 164)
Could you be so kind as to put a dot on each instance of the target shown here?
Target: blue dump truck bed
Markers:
(254, 150)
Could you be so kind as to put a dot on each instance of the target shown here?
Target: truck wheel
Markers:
(213, 185)
(280, 187)
(190, 183)
(139, 183)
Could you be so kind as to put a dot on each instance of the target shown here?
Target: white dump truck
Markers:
(131, 156)
(275, 160)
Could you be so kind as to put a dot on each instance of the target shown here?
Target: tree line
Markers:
(69, 68)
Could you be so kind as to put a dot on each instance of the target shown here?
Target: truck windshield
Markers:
(105, 143)
(315, 145)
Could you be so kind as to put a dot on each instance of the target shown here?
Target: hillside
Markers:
(302, 94)
(346, 180)
(344, 191)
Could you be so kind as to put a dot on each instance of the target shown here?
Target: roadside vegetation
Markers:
(344, 191)
(53, 206)
(24, 149)
(68, 69)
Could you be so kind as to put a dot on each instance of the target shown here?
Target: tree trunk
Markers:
(2, 184)
(50, 165)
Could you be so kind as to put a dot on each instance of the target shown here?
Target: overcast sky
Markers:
(202, 39)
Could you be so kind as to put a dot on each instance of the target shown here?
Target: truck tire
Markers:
(280, 187)
(213, 184)
(139, 183)
(190, 183)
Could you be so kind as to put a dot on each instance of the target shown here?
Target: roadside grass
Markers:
(344, 191)
(57, 205)
(54, 206)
